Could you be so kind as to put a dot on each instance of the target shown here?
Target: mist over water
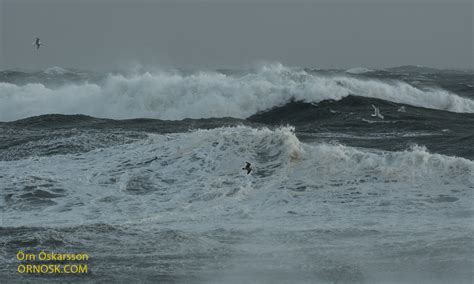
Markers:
(336, 194)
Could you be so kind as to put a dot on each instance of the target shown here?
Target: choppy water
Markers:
(336, 196)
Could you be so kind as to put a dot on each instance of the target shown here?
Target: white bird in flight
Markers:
(377, 112)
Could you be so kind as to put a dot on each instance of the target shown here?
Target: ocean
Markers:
(142, 171)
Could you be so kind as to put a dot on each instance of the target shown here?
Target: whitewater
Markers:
(142, 171)
(174, 96)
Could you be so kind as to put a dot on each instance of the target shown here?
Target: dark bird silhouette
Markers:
(248, 167)
(38, 43)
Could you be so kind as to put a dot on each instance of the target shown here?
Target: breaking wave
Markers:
(175, 96)
(358, 70)
(207, 164)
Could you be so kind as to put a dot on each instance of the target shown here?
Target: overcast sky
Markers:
(109, 34)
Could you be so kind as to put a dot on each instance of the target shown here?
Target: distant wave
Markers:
(175, 96)
(358, 70)
(55, 70)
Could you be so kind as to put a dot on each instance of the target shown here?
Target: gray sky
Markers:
(105, 34)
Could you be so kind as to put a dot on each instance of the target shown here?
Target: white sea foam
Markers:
(198, 175)
(55, 70)
(167, 95)
(358, 70)
(328, 213)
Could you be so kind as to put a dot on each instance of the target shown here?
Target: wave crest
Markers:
(174, 96)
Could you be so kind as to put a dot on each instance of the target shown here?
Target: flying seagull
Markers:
(377, 112)
(248, 167)
(38, 43)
